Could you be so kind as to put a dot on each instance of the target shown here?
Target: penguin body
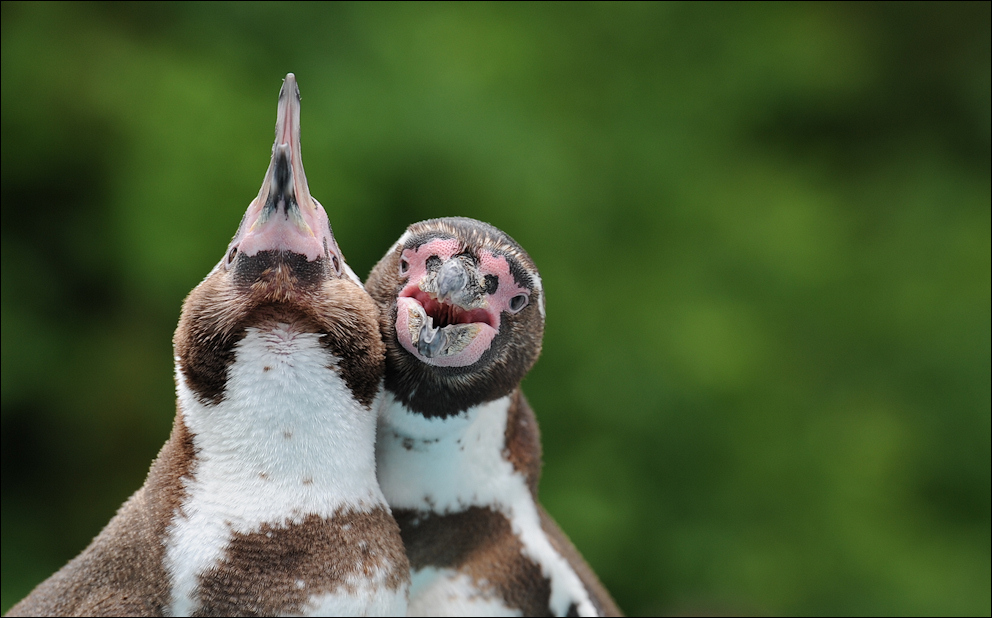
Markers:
(458, 448)
(264, 500)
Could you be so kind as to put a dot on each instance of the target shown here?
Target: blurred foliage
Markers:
(764, 231)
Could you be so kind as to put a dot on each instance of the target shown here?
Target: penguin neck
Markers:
(479, 458)
(272, 450)
(449, 464)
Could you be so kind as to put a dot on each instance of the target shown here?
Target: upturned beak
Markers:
(285, 217)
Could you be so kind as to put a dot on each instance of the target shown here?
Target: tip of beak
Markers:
(288, 118)
(290, 90)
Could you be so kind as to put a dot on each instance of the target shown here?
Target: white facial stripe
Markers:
(539, 288)
(351, 274)
(456, 463)
(289, 440)
(445, 592)
(399, 243)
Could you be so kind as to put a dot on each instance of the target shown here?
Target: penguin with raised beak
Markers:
(264, 500)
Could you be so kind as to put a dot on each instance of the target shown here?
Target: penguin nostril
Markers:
(491, 284)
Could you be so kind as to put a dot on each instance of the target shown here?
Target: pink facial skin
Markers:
(486, 318)
(304, 235)
(494, 264)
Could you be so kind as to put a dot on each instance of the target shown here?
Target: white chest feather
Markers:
(289, 440)
(445, 592)
(448, 465)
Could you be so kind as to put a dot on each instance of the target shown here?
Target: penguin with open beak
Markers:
(458, 451)
(264, 500)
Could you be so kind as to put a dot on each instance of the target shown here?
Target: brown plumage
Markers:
(121, 573)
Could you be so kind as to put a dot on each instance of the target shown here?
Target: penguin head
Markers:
(282, 266)
(462, 314)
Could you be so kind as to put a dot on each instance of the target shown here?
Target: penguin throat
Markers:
(273, 440)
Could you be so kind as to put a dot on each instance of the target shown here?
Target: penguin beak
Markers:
(452, 284)
(285, 217)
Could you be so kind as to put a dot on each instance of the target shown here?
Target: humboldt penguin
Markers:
(264, 500)
(458, 450)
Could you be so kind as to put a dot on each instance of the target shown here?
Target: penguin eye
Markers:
(336, 263)
(231, 255)
(518, 302)
(404, 267)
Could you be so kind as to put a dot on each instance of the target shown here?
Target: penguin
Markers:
(264, 499)
(458, 449)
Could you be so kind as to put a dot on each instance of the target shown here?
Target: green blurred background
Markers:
(764, 232)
